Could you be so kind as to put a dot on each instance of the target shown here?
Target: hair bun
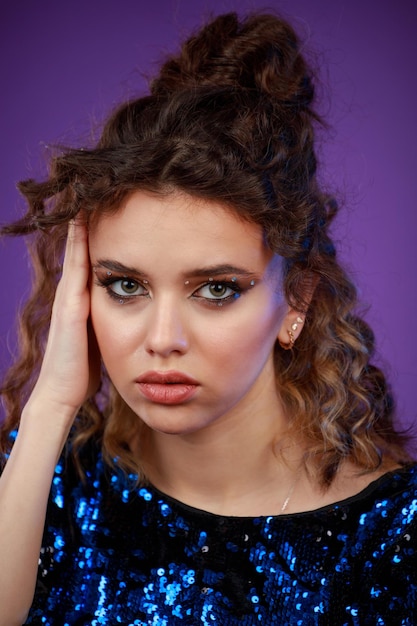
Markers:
(261, 52)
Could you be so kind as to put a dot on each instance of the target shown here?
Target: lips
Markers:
(167, 387)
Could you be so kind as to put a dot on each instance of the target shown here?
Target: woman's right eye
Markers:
(126, 287)
(121, 289)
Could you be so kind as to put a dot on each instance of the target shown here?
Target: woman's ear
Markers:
(291, 328)
(293, 323)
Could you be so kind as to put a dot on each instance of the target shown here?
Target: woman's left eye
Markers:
(218, 291)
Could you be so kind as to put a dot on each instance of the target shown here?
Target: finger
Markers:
(71, 304)
(76, 260)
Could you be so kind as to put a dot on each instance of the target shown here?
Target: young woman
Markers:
(200, 395)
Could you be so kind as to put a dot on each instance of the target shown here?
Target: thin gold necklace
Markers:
(290, 492)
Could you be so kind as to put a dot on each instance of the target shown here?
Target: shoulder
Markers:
(381, 519)
(354, 485)
(78, 483)
(399, 485)
(394, 494)
(394, 490)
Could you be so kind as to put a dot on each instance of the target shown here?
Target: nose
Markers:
(167, 331)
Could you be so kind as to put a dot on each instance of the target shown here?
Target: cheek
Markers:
(98, 318)
(110, 332)
(250, 338)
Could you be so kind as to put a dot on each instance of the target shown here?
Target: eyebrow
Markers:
(216, 270)
(115, 266)
(209, 270)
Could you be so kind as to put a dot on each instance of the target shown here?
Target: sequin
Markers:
(113, 554)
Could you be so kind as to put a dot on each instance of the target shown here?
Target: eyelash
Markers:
(234, 286)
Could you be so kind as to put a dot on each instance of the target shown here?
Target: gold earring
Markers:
(290, 344)
(294, 327)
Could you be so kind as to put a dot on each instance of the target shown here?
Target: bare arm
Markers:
(61, 389)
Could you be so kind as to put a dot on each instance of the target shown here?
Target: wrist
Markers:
(48, 419)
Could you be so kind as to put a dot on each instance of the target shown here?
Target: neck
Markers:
(234, 467)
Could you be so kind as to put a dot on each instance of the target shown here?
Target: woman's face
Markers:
(186, 306)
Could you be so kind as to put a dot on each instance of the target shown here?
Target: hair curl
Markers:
(230, 119)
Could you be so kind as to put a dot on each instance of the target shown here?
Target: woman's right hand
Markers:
(70, 369)
(68, 375)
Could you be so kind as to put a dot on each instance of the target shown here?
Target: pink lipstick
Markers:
(167, 387)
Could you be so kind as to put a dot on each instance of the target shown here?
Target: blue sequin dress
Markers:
(112, 555)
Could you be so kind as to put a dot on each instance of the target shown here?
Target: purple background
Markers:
(63, 65)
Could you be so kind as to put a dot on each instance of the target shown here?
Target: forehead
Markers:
(177, 226)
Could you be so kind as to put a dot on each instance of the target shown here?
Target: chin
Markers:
(175, 429)
(174, 425)
(175, 420)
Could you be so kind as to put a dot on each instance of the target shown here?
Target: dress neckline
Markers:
(402, 474)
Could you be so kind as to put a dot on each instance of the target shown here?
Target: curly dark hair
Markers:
(230, 119)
